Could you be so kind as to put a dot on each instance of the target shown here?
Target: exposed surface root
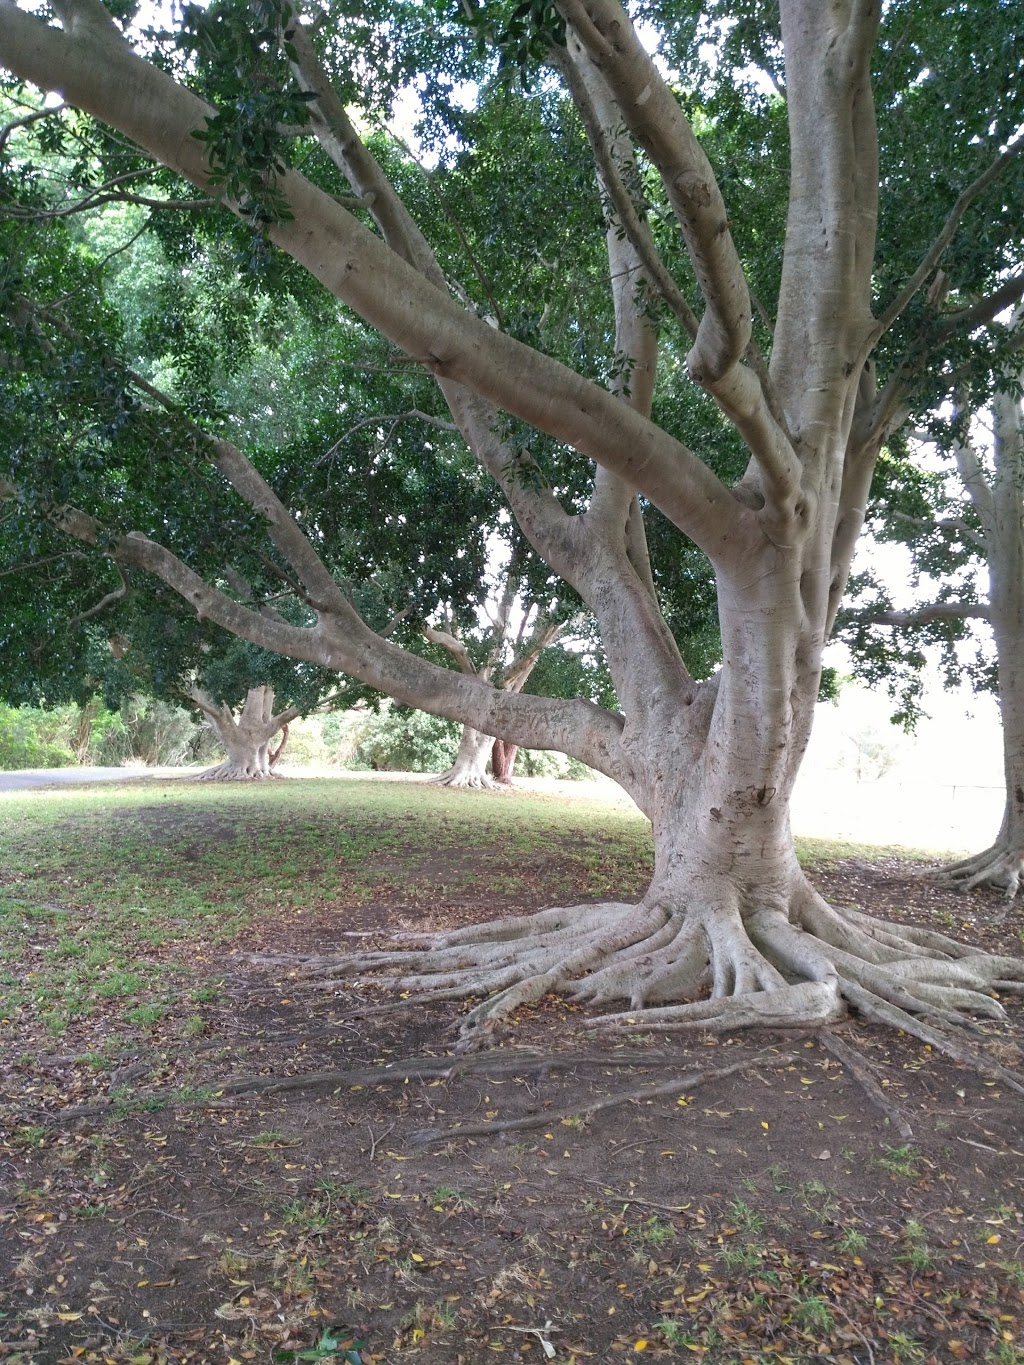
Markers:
(861, 1072)
(688, 1081)
(477, 781)
(1000, 867)
(711, 968)
(235, 772)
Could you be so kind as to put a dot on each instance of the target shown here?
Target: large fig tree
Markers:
(813, 344)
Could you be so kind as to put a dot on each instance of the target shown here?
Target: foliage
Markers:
(399, 739)
(142, 730)
(23, 746)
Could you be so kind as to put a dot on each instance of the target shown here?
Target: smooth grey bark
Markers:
(730, 931)
(470, 766)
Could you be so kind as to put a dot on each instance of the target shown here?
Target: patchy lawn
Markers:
(204, 1158)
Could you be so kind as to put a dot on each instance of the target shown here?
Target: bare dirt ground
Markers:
(314, 1178)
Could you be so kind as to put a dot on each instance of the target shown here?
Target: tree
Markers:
(506, 656)
(957, 522)
(843, 337)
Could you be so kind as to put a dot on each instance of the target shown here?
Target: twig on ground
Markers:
(375, 1140)
(541, 1333)
(619, 1197)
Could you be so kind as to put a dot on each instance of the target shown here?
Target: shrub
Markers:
(398, 739)
(25, 740)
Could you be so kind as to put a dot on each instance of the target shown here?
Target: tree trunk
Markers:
(246, 740)
(503, 758)
(275, 754)
(470, 766)
(1000, 505)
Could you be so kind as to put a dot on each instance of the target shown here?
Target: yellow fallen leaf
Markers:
(416, 1256)
(640, 1345)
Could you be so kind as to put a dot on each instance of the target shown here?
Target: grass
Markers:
(901, 1161)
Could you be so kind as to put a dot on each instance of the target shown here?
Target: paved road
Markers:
(50, 777)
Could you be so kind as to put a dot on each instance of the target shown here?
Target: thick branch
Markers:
(623, 83)
(538, 512)
(393, 297)
(655, 119)
(626, 212)
(342, 641)
(824, 300)
(979, 490)
(518, 672)
(984, 310)
(918, 616)
(454, 646)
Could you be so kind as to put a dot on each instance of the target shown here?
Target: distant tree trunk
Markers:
(246, 740)
(275, 754)
(470, 766)
(82, 737)
(503, 759)
(999, 504)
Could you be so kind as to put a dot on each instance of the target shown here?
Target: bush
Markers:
(550, 763)
(398, 739)
(142, 731)
(155, 733)
(25, 742)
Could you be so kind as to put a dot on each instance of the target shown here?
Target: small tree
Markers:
(505, 657)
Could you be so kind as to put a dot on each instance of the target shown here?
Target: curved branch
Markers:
(414, 414)
(341, 640)
(984, 310)
(633, 225)
(105, 78)
(655, 119)
(723, 337)
(518, 672)
(453, 645)
(26, 121)
(114, 595)
(955, 524)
